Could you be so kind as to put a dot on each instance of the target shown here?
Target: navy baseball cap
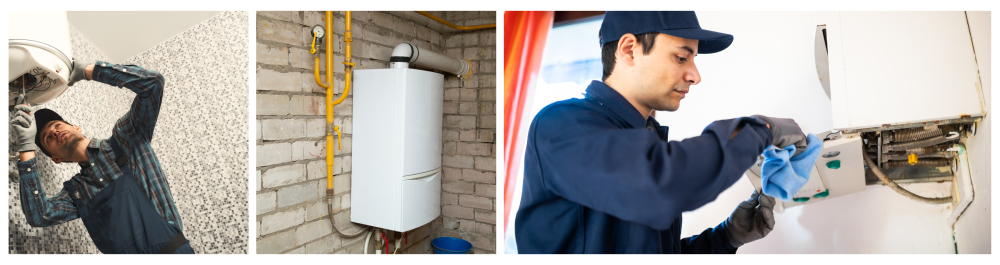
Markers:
(682, 24)
(42, 118)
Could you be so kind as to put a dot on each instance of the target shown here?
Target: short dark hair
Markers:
(39, 144)
(647, 40)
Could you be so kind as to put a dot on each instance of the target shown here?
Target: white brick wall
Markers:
(311, 231)
(276, 81)
(295, 194)
(292, 212)
(275, 153)
(310, 149)
(272, 55)
(272, 104)
(475, 202)
(278, 31)
(457, 211)
(468, 199)
(284, 175)
(458, 161)
(458, 187)
(309, 105)
(265, 202)
(283, 129)
(275, 243)
(282, 220)
(316, 210)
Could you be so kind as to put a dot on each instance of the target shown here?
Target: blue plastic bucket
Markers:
(451, 245)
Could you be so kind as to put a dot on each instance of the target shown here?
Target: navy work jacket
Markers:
(601, 178)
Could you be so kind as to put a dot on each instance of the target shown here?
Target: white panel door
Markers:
(901, 67)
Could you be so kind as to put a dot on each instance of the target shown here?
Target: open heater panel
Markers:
(910, 114)
(39, 57)
(920, 154)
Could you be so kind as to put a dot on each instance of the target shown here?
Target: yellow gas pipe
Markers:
(452, 25)
(330, 128)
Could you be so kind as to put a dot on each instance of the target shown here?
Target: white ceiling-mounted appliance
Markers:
(40, 56)
(905, 90)
(396, 156)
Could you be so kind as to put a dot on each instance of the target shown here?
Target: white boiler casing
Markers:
(28, 31)
(899, 68)
(396, 156)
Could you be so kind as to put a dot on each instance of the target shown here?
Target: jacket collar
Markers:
(607, 96)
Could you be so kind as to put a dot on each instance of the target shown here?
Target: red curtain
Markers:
(524, 40)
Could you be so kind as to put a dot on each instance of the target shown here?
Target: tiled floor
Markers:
(200, 139)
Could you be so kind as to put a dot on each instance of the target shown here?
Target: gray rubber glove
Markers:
(753, 219)
(786, 132)
(79, 72)
(24, 128)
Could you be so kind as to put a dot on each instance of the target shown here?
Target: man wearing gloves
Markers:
(599, 173)
(121, 192)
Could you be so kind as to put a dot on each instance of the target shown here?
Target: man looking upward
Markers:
(121, 192)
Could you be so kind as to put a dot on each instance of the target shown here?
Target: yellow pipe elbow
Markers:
(330, 102)
(347, 59)
(316, 75)
(347, 88)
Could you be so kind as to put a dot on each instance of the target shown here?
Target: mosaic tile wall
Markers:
(200, 138)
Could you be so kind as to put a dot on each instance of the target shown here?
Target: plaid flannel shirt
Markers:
(134, 132)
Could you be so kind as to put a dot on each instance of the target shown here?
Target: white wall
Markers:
(770, 70)
(972, 231)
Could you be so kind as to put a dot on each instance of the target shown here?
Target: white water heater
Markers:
(905, 91)
(40, 56)
(900, 68)
(396, 156)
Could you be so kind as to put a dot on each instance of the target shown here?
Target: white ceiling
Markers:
(124, 34)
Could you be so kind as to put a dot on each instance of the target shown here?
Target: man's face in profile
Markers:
(667, 72)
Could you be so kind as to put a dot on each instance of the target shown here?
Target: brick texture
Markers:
(468, 199)
(292, 213)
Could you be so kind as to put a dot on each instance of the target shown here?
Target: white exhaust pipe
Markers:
(406, 53)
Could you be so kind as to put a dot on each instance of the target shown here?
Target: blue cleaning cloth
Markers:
(783, 175)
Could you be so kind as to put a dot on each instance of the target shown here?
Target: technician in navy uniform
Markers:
(600, 175)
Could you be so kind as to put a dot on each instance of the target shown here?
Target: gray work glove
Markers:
(786, 132)
(24, 128)
(753, 219)
(79, 72)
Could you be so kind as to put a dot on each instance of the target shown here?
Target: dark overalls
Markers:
(599, 177)
(121, 220)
